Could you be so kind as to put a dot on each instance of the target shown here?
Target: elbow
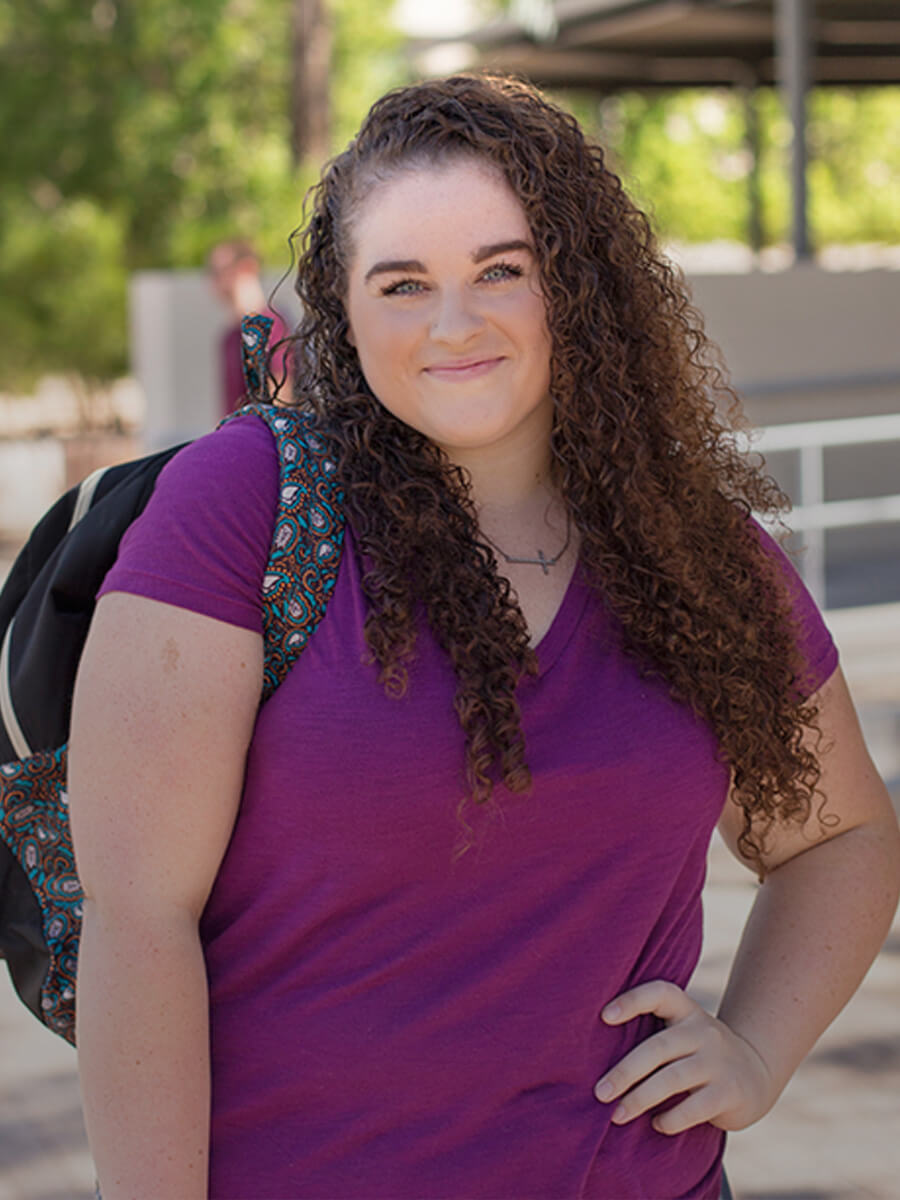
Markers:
(893, 853)
(878, 868)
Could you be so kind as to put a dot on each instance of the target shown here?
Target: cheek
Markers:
(528, 310)
(382, 358)
(529, 320)
(385, 341)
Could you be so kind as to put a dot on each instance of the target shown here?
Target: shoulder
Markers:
(243, 444)
(203, 540)
(225, 482)
(774, 555)
(813, 639)
(223, 472)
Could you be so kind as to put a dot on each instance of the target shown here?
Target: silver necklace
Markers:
(542, 560)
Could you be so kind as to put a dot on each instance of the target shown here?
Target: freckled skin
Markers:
(170, 656)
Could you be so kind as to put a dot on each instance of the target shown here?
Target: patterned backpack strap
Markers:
(42, 936)
(309, 528)
(255, 331)
(306, 542)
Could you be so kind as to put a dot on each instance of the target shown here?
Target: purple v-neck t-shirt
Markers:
(388, 1019)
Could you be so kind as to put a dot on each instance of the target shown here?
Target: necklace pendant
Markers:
(542, 560)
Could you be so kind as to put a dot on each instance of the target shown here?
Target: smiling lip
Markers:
(467, 369)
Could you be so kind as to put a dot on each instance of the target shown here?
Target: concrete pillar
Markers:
(792, 37)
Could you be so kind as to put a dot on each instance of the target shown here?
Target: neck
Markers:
(508, 479)
(519, 510)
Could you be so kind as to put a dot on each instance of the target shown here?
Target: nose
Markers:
(455, 317)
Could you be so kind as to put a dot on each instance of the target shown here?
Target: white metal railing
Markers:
(812, 513)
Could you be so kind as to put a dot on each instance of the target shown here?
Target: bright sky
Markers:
(435, 17)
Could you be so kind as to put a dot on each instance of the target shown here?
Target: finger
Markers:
(664, 1047)
(698, 1108)
(671, 1081)
(659, 997)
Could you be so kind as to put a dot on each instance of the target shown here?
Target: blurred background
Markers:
(762, 136)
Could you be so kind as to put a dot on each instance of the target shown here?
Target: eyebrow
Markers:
(414, 265)
(396, 264)
(484, 252)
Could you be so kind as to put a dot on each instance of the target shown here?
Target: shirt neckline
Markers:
(564, 623)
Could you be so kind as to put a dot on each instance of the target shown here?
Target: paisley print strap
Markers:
(34, 817)
(255, 332)
(306, 542)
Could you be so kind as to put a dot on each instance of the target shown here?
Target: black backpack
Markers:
(46, 607)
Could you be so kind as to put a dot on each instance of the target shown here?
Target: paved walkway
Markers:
(43, 1150)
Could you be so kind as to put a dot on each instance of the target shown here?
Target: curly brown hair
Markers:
(644, 453)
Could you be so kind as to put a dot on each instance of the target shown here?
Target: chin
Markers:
(467, 438)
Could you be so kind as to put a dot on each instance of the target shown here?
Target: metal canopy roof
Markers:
(614, 45)
(610, 45)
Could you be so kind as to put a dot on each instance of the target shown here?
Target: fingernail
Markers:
(612, 1010)
(603, 1090)
(618, 1115)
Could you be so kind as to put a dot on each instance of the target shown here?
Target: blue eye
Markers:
(501, 271)
(403, 287)
(498, 272)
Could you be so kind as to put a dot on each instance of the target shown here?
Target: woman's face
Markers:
(445, 307)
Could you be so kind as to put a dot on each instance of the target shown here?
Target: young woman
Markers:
(421, 925)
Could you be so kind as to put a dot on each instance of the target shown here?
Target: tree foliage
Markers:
(136, 134)
(686, 159)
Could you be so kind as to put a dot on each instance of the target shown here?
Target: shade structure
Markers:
(608, 46)
(611, 45)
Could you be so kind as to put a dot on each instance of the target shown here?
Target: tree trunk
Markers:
(310, 106)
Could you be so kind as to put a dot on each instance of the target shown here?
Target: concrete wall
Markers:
(32, 476)
(807, 344)
(803, 324)
(34, 473)
(176, 325)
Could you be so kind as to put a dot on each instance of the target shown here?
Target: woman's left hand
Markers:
(726, 1080)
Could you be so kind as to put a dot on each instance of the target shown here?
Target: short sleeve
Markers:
(818, 652)
(202, 542)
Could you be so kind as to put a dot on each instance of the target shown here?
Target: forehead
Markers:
(459, 204)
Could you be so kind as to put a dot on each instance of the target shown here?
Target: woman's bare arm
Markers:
(816, 925)
(164, 708)
(826, 905)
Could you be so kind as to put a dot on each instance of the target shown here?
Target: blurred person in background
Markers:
(234, 271)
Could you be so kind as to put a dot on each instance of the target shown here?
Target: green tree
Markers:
(855, 169)
(137, 133)
(685, 159)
